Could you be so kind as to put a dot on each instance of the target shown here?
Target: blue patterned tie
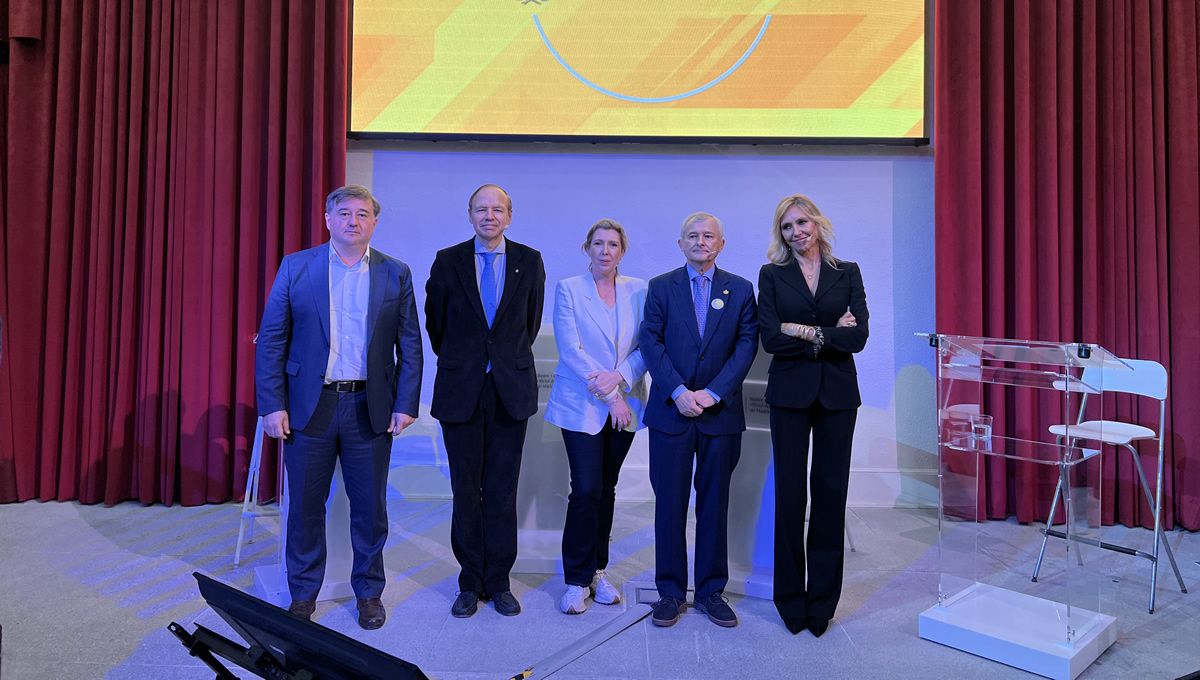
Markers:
(487, 287)
(700, 300)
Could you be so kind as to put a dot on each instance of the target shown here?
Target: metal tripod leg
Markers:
(250, 501)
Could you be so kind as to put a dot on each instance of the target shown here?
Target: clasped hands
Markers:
(809, 333)
(692, 403)
(605, 386)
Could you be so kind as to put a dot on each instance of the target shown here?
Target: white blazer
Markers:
(585, 344)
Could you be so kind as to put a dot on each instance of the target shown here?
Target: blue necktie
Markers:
(487, 287)
(700, 300)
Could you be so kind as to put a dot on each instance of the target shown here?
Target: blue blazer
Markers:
(675, 354)
(293, 343)
(586, 343)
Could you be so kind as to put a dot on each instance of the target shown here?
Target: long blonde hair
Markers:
(780, 253)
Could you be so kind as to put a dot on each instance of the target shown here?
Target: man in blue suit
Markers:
(698, 339)
(338, 374)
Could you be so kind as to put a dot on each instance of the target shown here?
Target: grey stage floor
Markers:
(87, 592)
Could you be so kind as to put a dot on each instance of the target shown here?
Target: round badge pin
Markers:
(718, 303)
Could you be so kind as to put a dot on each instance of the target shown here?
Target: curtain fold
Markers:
(159, 159)
(1066, 187)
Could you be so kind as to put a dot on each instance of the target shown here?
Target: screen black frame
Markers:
(297, 644)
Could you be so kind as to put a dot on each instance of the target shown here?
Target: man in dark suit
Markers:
(698, 338)
(483, 309)
(338, 370)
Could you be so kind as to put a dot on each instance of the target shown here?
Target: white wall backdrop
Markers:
(880, 200)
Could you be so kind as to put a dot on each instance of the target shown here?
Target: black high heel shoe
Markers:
(818, 626)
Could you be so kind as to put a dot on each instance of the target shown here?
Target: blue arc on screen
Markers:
(651, 100)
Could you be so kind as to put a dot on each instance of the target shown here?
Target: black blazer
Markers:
(464, 344)
(796, 378)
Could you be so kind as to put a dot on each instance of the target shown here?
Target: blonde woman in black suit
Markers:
(812, 316)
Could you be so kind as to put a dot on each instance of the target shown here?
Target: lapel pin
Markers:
(725, 292)
(718, 303)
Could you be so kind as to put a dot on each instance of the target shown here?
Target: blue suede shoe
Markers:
(718, 610)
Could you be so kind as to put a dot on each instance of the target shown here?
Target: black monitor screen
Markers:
(297, 644)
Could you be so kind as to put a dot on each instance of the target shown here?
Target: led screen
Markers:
(644, 68)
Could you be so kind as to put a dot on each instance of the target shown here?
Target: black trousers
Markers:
(823, 555)
(485, 461)
(340, 428)
(671, 460)
(595, 461)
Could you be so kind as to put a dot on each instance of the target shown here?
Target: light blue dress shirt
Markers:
(497, 264)
(349, 296)
(692, 274)
(497, 270)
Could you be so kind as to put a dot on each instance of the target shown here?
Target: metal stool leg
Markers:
(1037, 567)
(1073, 541)
(1155, 503)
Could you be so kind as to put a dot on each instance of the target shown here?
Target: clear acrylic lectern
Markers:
(996, 400)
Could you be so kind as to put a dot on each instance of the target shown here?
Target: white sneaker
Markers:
(574, 601)
(606, 593)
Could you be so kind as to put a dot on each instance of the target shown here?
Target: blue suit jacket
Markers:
(675, 354)
(293, 343)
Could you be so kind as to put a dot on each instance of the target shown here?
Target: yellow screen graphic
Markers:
(647, 68)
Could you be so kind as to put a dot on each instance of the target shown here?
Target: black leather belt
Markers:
(346, 385)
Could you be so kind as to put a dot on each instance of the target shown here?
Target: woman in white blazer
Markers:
(597, 401)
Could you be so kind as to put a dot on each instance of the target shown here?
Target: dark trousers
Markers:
(340, 429)
(595, 461)
(832, 434)
(485, 461)
(671, 461)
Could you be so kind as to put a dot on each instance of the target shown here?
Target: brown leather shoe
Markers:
(302, 609)
(371, 613)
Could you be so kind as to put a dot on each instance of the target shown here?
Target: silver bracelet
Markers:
(818, 340)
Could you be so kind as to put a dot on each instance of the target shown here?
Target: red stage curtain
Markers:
(1068, 209)
(158, 160)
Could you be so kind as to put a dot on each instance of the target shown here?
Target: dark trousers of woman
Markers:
(823, 556)
(595, 461)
